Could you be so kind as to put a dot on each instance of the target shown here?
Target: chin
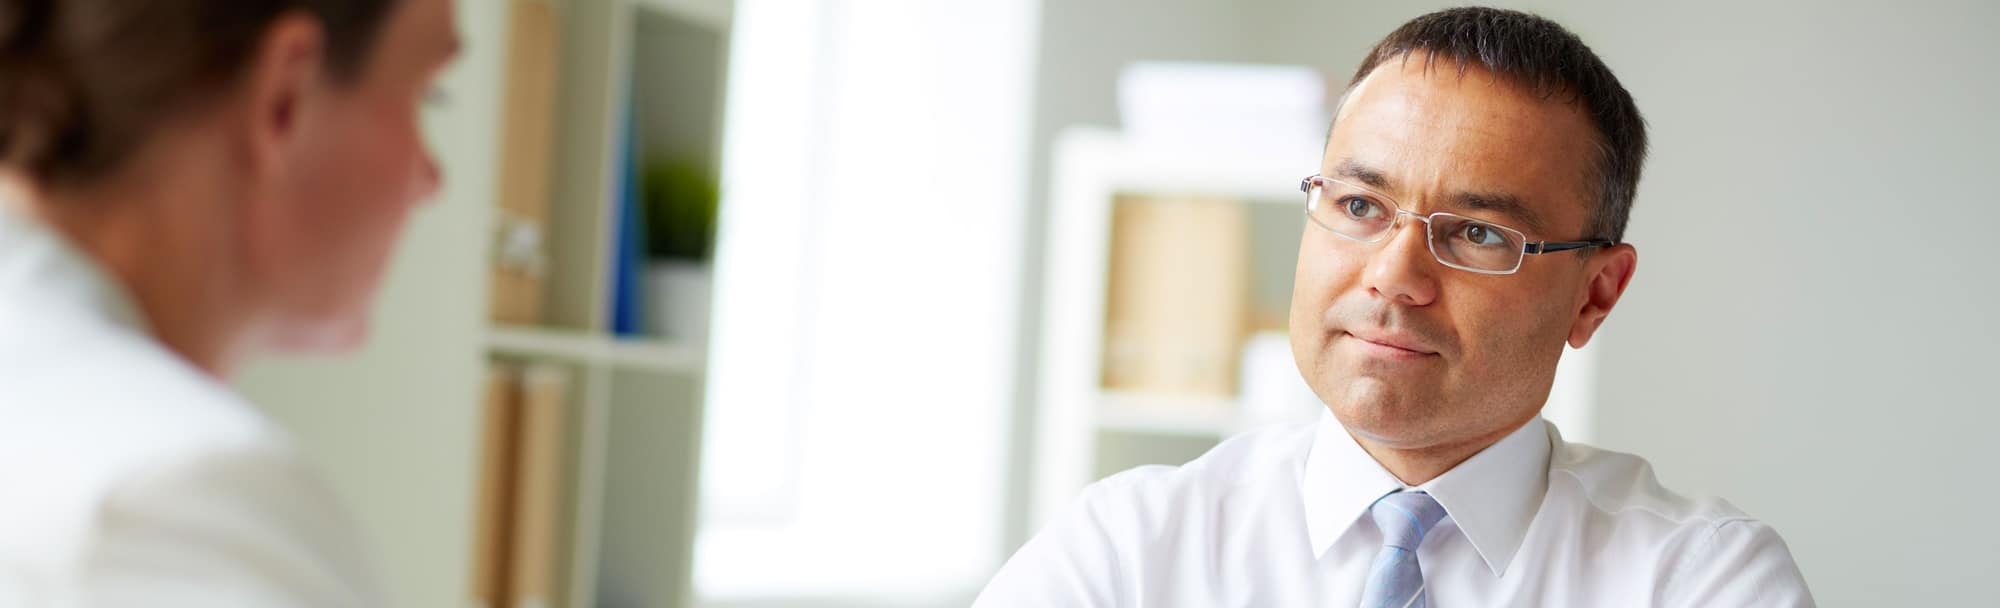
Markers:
(1376, 409)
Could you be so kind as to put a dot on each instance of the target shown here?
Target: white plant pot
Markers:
(677, 299)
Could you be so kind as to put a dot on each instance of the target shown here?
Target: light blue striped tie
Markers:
(1396, 581)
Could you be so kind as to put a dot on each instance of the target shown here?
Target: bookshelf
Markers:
(1084, 430)
(637, 78)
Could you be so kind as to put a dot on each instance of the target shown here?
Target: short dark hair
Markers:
(83, 83)
(1545, 58)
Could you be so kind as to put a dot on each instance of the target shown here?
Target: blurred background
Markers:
(834, 302)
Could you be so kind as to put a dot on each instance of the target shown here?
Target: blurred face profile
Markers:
(1405, 351)
(354, 164)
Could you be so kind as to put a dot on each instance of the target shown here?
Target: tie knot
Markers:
(1405, 517)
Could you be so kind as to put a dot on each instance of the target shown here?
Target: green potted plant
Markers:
(680, 200)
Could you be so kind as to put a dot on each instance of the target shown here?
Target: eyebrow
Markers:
(1369, 176)
(1510, 205)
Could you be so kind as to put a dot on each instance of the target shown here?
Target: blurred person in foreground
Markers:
(185, 184)
(1466, 223)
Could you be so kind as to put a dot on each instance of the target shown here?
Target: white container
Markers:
(677, 300)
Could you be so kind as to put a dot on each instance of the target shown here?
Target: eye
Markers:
(1360, 208)
(1482, 235)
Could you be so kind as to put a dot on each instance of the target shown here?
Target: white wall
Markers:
(1810, 328)
(1807, 332)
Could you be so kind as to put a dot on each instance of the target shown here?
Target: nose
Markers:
(1403, 271)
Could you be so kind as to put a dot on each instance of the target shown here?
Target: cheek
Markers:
(1511, 338)
(1324, 272)
(353, 195)
(386, 175)
(388, 162)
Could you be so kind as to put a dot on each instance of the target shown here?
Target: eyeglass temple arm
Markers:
(1548, 247)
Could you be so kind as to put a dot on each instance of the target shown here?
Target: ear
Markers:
(282, 77)
(1606, 274)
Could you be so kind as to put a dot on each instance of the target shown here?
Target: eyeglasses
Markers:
(1364, 215)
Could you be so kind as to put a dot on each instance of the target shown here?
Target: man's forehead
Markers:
(1435, 126)
(1448, 89)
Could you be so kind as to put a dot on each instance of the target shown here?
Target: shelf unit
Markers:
(1084, 430)
(639, 76)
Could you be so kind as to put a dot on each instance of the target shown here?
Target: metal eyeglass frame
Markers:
(1430, 240)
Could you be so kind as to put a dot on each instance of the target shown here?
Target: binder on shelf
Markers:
(1178, 295)
(520, 250)
(629, 256)
(499, 419)
(535, 577)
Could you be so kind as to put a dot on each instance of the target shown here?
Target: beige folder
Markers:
(521, 221)
(536, 573)
(498, 426)
(1178, 295)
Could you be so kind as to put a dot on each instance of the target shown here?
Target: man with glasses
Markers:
(1467, 222)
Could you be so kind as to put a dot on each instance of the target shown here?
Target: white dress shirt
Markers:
(1276, 518)
(128, 477)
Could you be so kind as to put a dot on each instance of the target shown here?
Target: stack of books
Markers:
(524, 464)
(1177, 309)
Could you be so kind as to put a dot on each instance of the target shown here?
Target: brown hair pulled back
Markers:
(83, 83)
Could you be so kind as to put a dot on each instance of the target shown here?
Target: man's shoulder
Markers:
(1623, 486)
(1617, 496)
(1710, 551)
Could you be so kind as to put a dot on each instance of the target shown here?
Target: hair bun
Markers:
(35, 98)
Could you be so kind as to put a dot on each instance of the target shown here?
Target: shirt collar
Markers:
(40, 267)
(1491, 497)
